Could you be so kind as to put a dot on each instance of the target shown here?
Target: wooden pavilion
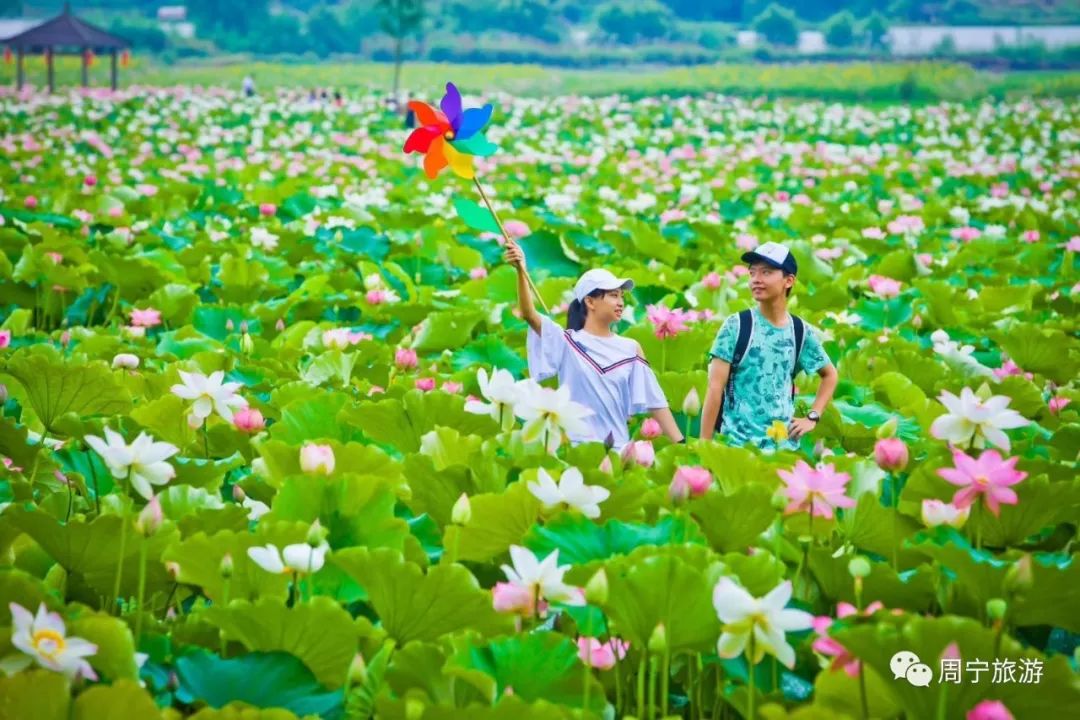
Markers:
(65, 34)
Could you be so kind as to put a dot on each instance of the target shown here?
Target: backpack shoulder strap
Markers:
(800, 338)
(746, 329)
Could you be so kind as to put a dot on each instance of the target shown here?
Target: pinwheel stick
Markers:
(506, 236)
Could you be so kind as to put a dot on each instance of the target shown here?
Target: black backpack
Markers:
(746, 329)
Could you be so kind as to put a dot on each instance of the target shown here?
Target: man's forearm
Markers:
(825, 391)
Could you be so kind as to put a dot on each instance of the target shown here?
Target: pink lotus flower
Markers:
(965, 234)
(425, 384)
(817, 490)
(116, 211)
(478, 273)
(1056, 404)
(746, 241)
(990, 710)
(906, 224)
(405, 358)
(689, 480)
(989, 476)
(451, 387)
(650, 429)
(511, 597)
(317, 459)
(90, 181)
(873, 233)
(639, 452)
(601, 655)
(891, 454)
(672, 215)
(1010, 368)
(712, 280)
(1074, 244)
(30, 202)
(884, 287)
(267, 209)
(826, 645)
(145, 318)
(666, 323)
(5, 338)
(249, 420)
(516, 228)
(1030, 236)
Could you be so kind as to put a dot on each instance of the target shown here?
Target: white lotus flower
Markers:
(501, 393)
(300, 558)
(570, 491)
(549, 413)
(936, 512)
(766, 619)
(973, 421)
(210, 394)
(256, 508)
(43, 638)
(260, 237)
(142, 462)
(953, 351)
(544, 578)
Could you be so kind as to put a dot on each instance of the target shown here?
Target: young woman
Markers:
(605, 372)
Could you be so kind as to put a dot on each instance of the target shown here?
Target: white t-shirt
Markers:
(603, 373)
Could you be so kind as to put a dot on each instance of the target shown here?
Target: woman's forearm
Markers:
(525, 300)
(667, 423)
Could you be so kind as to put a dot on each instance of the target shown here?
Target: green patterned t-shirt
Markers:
(763, 378)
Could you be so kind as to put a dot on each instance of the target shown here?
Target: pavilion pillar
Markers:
(20, 72)
(50, 68)
(85, 68)
(112, 69)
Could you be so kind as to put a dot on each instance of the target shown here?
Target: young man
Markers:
(758, 392)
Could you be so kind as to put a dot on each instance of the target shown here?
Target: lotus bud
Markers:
(887, 429)
(691, 405)
(150, 518)
(996, 608)
(461, 513)
(316, 534)
(358, 670)
(596, 590)
(226, 566)
(1019, 576)
(658, 640)
(56, 579)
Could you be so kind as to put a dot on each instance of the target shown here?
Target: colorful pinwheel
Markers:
(450, 136)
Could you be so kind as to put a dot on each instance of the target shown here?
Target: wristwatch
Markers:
(813, 416)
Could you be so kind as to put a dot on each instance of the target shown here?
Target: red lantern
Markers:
(125, 58)
(7, 55)
(88, 56)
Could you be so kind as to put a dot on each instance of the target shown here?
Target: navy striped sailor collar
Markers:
(604, 354)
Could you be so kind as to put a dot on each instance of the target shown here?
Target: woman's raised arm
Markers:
(514, 255)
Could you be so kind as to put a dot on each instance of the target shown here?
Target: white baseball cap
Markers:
(775, 254)
(599, 279)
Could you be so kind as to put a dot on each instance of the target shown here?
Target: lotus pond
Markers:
(270, 450)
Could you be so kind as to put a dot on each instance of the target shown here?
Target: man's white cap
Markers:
(599, 279)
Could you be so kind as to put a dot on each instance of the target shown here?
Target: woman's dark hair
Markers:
(575, 314)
